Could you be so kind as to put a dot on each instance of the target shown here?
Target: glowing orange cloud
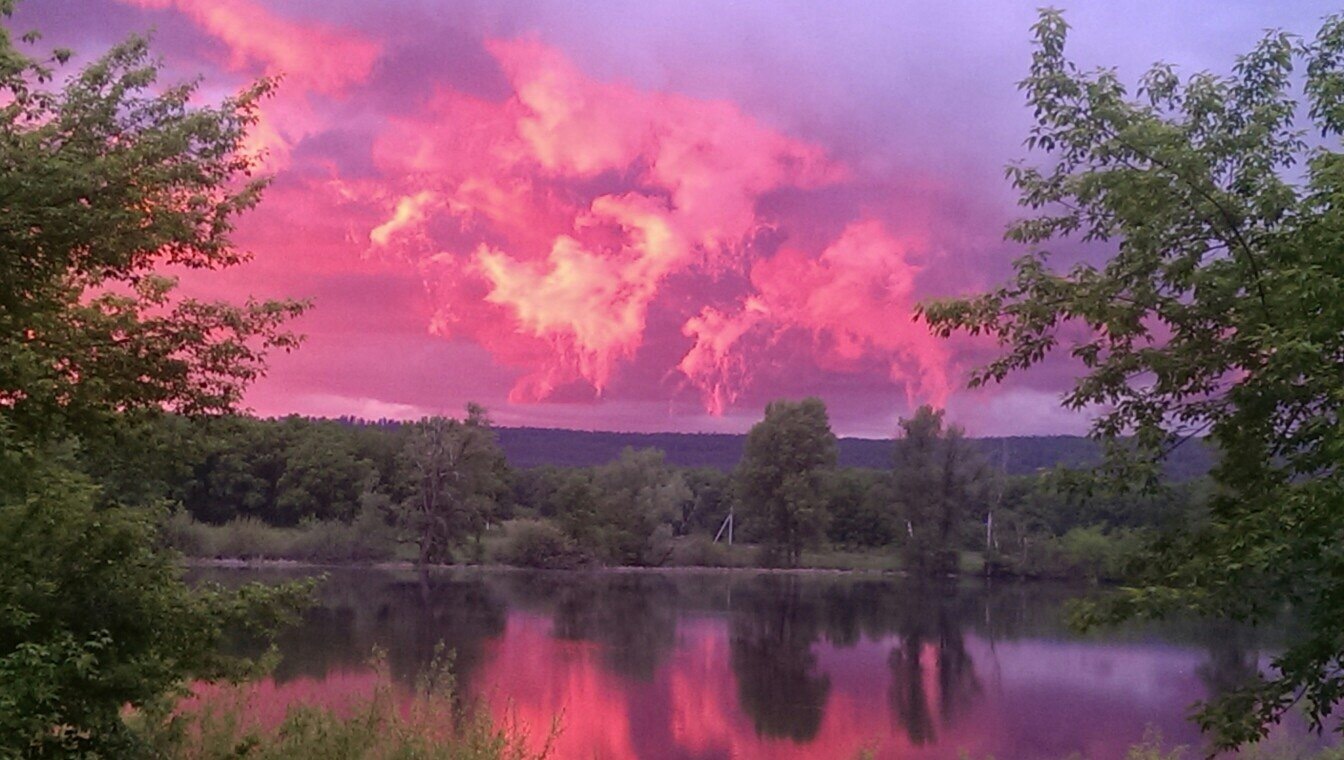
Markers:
(410, 212)
(712, 160)
(715, 364)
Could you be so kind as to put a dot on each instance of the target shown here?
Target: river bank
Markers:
(1079, 555)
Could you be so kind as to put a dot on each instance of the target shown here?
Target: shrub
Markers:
(1082, 553)
(335, 541)
(540, 544)
(700, 551)
(94, 616)
(367, 539)
(250, 538)
(771, 556)
(182, 532)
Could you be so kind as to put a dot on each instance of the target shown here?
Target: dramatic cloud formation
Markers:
(578, 204)
(854, 300)
(640, 217)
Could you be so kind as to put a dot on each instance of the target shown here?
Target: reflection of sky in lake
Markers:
(698, 667)
(1034, 699)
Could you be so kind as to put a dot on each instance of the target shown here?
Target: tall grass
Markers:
(250, 539)
(430, 724)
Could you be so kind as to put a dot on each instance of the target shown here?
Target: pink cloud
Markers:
(309, 55)
(574, 205)
(409, 213)
(854, 300)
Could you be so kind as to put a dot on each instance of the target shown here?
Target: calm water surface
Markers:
(745, 665)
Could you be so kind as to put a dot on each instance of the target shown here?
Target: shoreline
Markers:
(283, 564)
(405, 566)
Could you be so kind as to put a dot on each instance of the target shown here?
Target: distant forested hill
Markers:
(1021, 455)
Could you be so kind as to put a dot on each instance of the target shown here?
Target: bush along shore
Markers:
(542, 544)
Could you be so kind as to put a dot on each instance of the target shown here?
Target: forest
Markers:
(351, 490)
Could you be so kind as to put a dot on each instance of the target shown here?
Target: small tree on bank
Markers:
(937, 477)
(633, 504)
(782, 475)
(457, 473)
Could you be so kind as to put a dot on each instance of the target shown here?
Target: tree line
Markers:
(442, 486)
(1015, 454)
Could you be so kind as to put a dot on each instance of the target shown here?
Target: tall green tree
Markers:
(323, 476)
(103, 181)
(782, 475)
(938, 478)
(639, 499)
(457, 474)
(1219, 312)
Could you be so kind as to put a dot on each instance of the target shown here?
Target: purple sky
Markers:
(640, 216)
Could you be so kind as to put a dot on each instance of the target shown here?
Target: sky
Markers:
(640, 216)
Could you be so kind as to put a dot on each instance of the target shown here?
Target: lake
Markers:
(703, 664)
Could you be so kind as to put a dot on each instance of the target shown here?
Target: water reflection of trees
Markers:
(1234, 659)
(631, 616)
(775, 622)
(931, 637)
(778, 620)
(772, 630)
(357, 611)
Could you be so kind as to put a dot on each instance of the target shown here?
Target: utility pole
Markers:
(728, 524)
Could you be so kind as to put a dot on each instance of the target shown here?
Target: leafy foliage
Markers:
(936, 477)
(862, 508)
(456, 471)
(103, 182)
(782, 474)
(541, 544)
(625, 510)
(94, 617)
(1220, 311)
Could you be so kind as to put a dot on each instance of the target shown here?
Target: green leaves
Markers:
(937, 476)
(1219, 312)
(781, 477)
(101, 184)
(93, 617)
(457, 470)
(104, 182)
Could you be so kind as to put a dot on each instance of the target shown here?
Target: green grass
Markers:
(971, 563)
(871, 560)
(251, 539)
